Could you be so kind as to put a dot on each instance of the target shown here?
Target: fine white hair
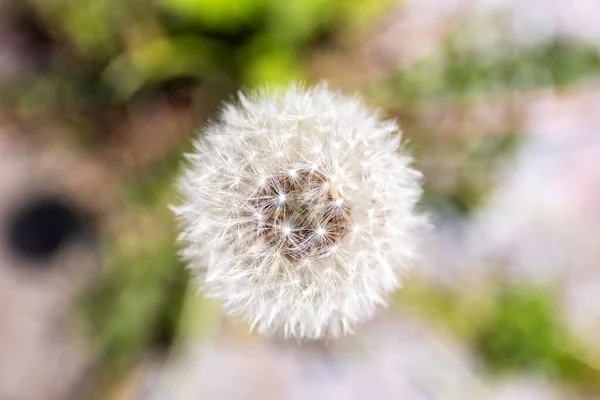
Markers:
(298, 211)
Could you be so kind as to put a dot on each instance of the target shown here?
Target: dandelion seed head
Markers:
(320, 224)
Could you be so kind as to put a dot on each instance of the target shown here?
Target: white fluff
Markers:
(299, 211)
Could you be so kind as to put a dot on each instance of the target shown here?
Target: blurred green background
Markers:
(126, 84)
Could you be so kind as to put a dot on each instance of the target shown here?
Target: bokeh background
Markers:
(498, 99)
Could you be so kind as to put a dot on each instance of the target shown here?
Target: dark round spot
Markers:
(40, 228)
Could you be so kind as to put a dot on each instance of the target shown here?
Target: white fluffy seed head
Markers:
(299, 211)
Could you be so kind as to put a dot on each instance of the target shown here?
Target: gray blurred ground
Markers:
(43, 356)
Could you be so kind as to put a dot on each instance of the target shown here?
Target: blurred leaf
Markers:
(163, 59)
(514, 328)
(360, 13)
(88, 24)
(458, 313)
(127, 315)
(293, 22)
(522, 331)
(460, 71)
(219, 14)
(197, 315)
(138, 298)
(525, 331)
(275, 67)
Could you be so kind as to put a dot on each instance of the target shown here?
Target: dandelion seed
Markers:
(320, 224)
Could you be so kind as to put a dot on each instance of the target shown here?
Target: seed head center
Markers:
(297, 216)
